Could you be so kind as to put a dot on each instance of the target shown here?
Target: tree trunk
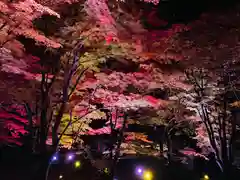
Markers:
(43, 124)
(30, 127)
(56, 125)
(169, 153)
(161, 148)
(232, 142)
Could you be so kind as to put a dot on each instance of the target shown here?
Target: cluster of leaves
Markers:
(17, 17)
(16, 123)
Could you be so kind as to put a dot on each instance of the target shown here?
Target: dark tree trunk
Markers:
(57, 123)
(43, 116)
(169, 153)
(161, 147)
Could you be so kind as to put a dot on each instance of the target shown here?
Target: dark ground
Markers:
(16, 164)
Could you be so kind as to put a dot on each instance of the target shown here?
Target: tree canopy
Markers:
(71, 63)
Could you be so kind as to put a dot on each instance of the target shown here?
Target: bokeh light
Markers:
(54, 158)
(147, 175)
(106, 170)
(77, 164)
(60, 176)
(70, 156)
(139, 171)
(206, 177)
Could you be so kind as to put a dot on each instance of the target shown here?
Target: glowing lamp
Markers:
(77, 164)
(106, 170)
(139, 171)
(60, 176)
(54, 158)
(147, 175)
(70, 157)
(206, 177)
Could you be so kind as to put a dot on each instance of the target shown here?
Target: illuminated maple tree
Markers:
(92, 68)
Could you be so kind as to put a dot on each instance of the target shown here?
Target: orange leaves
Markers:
(138, 137)
(235, 104)
(148, 55)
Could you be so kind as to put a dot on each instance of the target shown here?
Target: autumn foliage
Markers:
(104, 61)
(76, 62)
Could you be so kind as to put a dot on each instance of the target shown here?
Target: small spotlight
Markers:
(70, 157)
(54, 158)
(106, 170)
(77, 164)
(206, 177)
(60, 176)
(147, 175)
(139, 171)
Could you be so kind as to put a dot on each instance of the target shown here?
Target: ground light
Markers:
(70, 157)
(106, 170)
(77, 164)
(139, 171)
(54, 158)
(60, 176)
(206, 177)
(147, 175)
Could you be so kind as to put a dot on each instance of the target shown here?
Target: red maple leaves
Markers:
(14, 123)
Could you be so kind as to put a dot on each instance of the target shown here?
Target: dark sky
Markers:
(176, 11)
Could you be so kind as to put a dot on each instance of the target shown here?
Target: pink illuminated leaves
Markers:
(115, 99)
(27, 66)
(41, 39)
(192, 152)
(20, 15)
(98, 9)
(9, 116)
(14, 123)
(150, 79)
